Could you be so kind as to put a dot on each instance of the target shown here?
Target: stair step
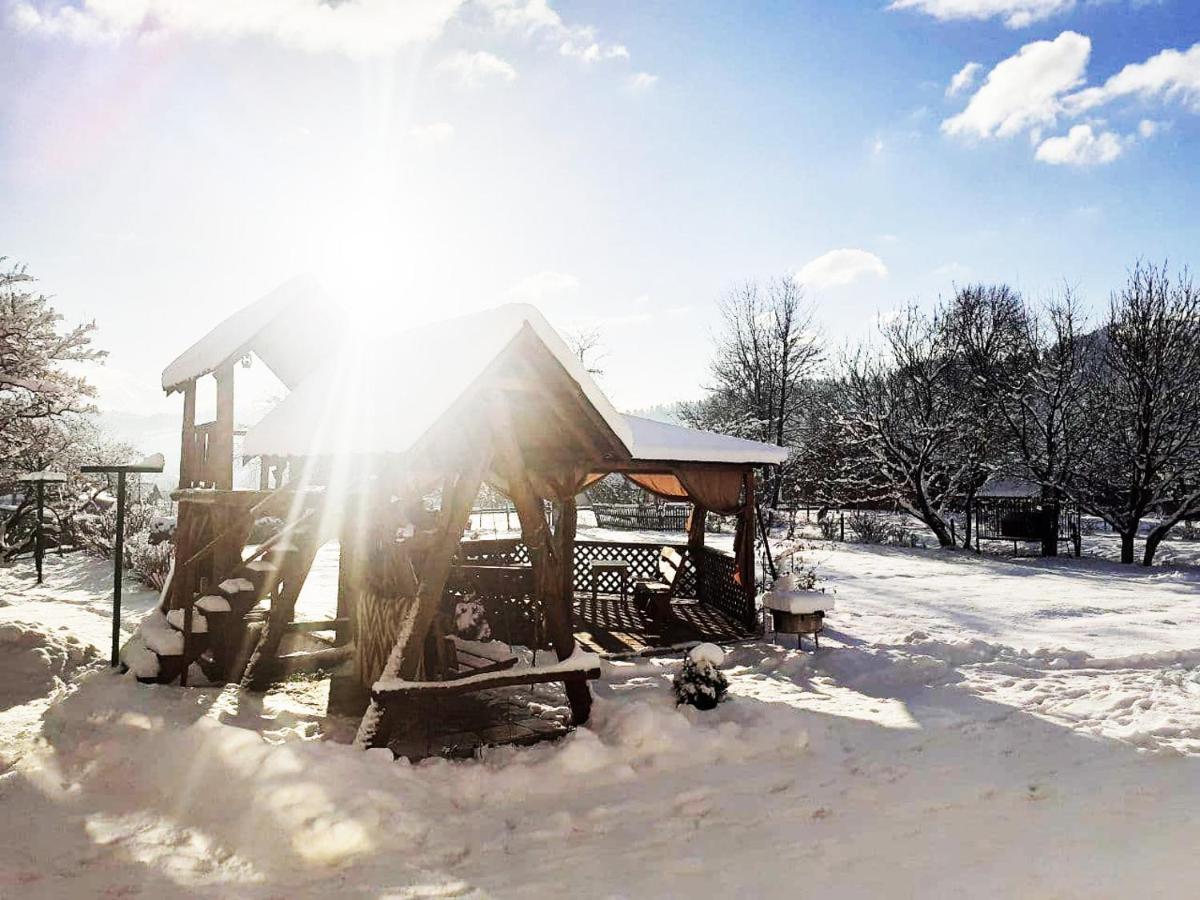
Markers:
(262, 565)
(176, 619)
(212, 603)
(235, 586)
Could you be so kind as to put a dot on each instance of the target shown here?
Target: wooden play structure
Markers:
(383, 444)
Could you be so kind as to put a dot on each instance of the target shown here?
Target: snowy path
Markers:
(944, 744)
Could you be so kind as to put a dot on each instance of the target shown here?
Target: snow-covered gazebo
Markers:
(390, 439)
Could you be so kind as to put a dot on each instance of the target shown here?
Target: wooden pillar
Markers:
(744, 544)
(187, 446)
(567, 519)
(221, 442)
(695, 529)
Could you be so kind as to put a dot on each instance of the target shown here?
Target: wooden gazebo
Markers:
(385, 444)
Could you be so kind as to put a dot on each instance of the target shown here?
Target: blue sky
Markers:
(164, 162)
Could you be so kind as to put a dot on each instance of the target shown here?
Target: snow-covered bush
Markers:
(868, 527)
(148, 559)
(701, 683)
(830, 527)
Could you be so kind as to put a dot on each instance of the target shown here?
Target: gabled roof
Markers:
(292, 329)
(384, 395)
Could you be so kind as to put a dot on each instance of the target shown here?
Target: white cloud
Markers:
(477, 68)
(1025, 90)
(1148, 128)
(1081, 146)
(1015, 13)
(840, 267)
(641, 81)
(353, 27)
(529, 16)
(1171, 74)
(433, 133)
(542, 286)
(580, 43)
(963, 79)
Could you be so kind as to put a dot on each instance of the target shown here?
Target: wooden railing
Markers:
(712, 583)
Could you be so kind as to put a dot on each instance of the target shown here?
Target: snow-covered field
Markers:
(971, 727)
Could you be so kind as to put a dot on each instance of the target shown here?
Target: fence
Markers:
(713, 584)
(632, 517)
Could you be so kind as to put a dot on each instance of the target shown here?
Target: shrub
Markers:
(869, 527)
(148, 560)
(830, 528)
(700, 683)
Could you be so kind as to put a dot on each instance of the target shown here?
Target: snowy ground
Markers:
(971, 727)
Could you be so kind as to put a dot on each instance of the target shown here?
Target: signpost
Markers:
(150, 464)
(41, 479)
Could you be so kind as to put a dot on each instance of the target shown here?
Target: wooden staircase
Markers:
(232, 623)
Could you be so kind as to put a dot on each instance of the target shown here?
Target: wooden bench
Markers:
(579, 667)
(654, 596)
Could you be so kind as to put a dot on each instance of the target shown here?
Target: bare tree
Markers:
(766, 350)
(910, 425)
(1143, 406)
(1030, 368)
(586, 345)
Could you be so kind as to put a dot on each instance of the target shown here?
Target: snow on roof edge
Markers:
(237, 330)
(654, 440)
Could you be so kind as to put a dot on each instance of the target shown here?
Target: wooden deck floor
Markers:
(609, 625)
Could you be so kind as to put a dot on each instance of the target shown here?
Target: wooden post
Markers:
(118, 559)
(221, 443)
(187, 446)
(696, 547)
(544, 552)
(744, 550)
(39, 542)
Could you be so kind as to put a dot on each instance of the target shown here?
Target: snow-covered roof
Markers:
(1009, 487)
(384, 396)
(659, 440)
(290, 329)
(419, 374)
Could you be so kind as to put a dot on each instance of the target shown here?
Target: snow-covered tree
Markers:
(35, 387)
(1143, 408)
(43, 406)
(911, 422)
(1029, 365)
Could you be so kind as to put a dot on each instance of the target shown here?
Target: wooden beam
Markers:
(552, 585)
(187, 447)
(221, 442)
(490, 681)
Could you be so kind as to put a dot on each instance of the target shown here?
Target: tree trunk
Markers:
(1052, 505)
(1153, 539)
(968, 521)
(1127, 546)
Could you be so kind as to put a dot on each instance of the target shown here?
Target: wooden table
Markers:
(620, 567)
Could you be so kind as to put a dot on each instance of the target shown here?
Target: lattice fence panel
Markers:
(719, 588)
(642, 559)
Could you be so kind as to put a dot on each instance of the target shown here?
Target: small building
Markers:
(1017, 510)
(385, 441)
